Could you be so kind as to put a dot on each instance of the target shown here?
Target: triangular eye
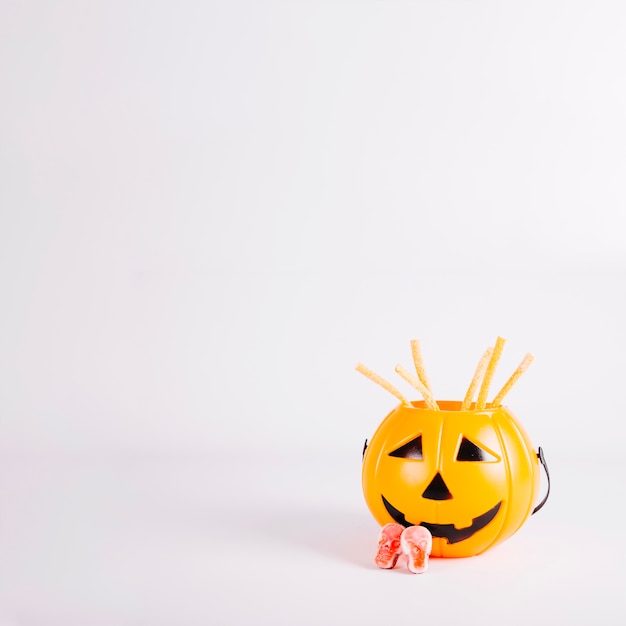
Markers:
(411, 450)
(469, 451)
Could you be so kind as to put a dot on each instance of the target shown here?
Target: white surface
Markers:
(281, 540)
(210, 211)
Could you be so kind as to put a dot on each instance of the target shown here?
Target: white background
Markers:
(210, 211)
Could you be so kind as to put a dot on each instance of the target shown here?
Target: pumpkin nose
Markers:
(437, 490)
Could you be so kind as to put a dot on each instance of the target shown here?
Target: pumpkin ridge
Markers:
(519, 432)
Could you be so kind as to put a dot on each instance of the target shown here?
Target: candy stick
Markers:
(379, 380)
(478, 374)
(428, 398)
(515, 376)
(491, 368)
(416, 351)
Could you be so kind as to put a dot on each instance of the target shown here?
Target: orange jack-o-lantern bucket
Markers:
(470, 475)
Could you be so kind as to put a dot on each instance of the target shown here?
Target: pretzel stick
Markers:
(491, 368)
(428, 397)
(515, 376)
(478, 374)
(379, 380)
(416, 352)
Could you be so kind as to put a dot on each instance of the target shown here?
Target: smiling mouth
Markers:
(445, 531)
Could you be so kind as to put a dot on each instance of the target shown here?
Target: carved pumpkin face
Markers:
(470, 477)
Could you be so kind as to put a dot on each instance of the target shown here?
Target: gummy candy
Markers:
(417, 543)
(389, 548)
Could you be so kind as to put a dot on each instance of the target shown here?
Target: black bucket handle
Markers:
(542, 460)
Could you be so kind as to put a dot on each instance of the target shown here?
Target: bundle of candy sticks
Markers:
(483, 376)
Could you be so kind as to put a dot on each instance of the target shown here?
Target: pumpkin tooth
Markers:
(464, 523)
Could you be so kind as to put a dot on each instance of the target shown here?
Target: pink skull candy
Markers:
(389, 545)
(417, 543)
